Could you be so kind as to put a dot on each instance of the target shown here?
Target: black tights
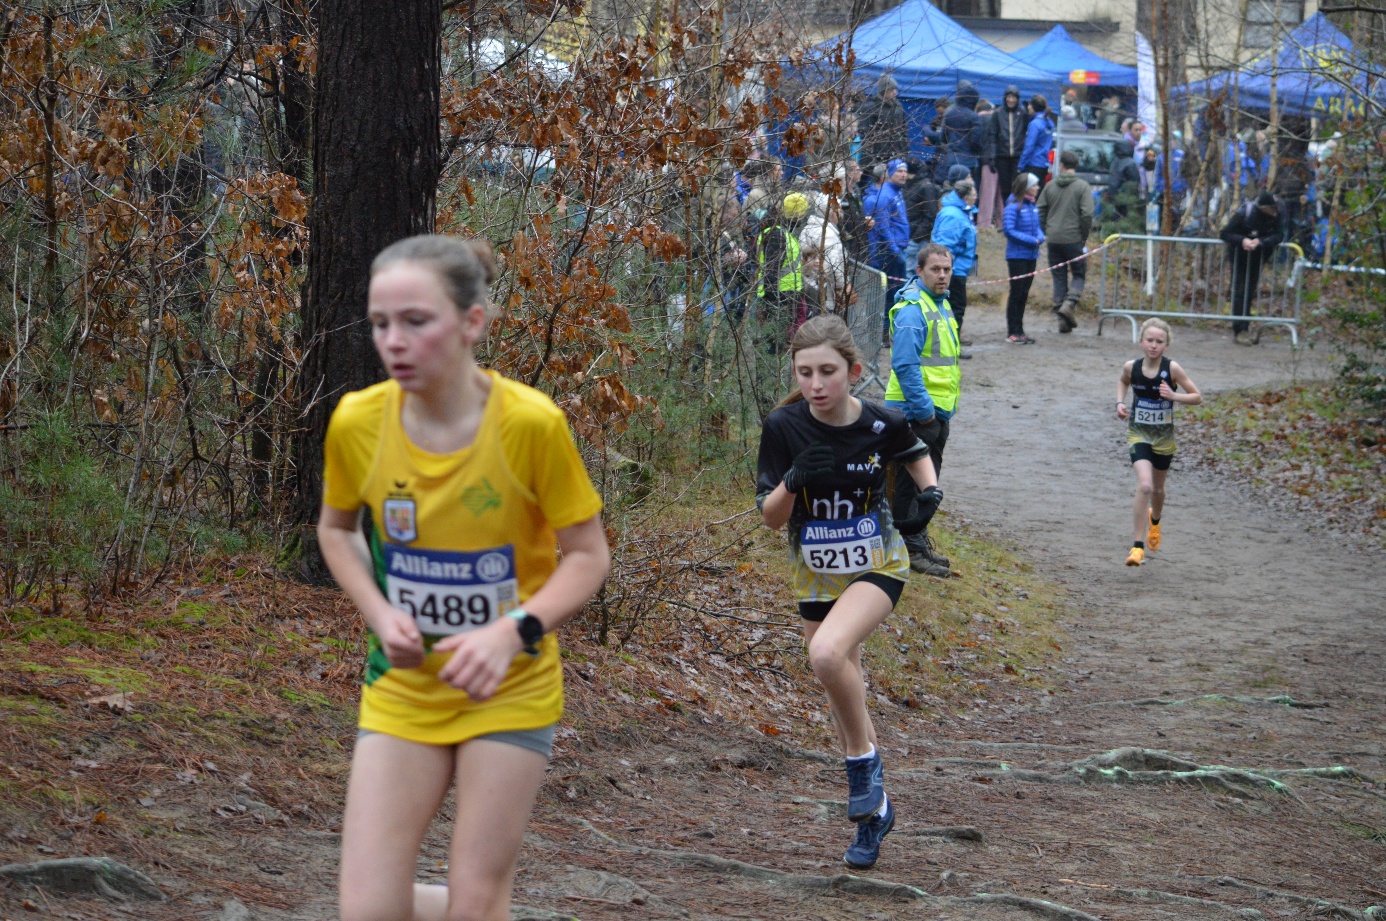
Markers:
(1020, 293)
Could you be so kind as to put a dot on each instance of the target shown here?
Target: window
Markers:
(1268, 19)
(980, 9)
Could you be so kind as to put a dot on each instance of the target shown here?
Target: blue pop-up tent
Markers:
(1315, 70)
(1060, 55)
(928, 54)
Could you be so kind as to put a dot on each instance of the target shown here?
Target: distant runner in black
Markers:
(1153, 381)
(822, 471)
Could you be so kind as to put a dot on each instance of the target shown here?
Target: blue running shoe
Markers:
(864, 851)
(866, 787)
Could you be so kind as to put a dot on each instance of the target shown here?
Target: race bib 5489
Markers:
(450, 592)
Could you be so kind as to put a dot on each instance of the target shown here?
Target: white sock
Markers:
(870, 754)
(885, 804)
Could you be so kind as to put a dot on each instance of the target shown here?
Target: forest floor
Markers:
(1199, 737)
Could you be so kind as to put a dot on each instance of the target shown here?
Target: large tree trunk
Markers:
(375, 174)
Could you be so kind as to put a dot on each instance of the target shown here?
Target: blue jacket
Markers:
(1022, 226)
(1039, 140)
(906, 345)
(891, 234)
(1176, 173)
(960, 134)
(954, 229)
(1237, 152)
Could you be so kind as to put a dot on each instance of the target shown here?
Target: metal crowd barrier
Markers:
(1302, 264)
(1190, 278)
(1299, 277)
(866, 319)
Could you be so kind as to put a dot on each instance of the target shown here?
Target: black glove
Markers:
(811, 464)
(928, 432)
(922, 511)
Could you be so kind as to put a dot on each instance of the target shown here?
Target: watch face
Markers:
(531, 630)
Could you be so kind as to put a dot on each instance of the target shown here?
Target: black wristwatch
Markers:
(531, 629)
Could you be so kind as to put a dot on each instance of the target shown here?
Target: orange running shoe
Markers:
(1152, 539)
(1136, 558)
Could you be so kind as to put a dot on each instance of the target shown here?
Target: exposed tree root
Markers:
(1035, 906)
(1156, 895)
(806, 754)
(1281, 701)
(1151, 766)
(843, 882)
(1173, 898)
(85, 876)
(977, 743)
(1320, 906)
(956, 832)
(524, 913)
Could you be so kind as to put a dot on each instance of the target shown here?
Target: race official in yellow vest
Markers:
(925, 379)
(791, 280)
(780, 272)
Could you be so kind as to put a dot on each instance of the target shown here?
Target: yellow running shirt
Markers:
(457, 540)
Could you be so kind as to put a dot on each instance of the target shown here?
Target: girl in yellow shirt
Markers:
(473, 484)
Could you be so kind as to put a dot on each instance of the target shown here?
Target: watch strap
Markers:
(531, 629)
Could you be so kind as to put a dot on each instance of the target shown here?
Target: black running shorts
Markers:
(817, 610)
(1143, 451)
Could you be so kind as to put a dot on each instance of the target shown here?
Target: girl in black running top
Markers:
(822, 471)
(1153, 382)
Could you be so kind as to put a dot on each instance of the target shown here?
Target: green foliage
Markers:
(1112, 220)
(75, 516)
(1359, 313)
(62, 515)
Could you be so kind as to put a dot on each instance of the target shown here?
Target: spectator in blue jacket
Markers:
(1179, 185)
(960, 136)
(1021, 224)
(1039, 139)
(1239, 166)
(1178, 181)
(955, 229)
(890, 234)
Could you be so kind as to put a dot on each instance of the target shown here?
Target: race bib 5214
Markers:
(1154, 412)
(843, 547)
(450, 592)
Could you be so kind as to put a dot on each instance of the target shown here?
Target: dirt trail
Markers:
(1249, 641)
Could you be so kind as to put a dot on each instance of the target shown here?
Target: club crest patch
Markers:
(878, 426)
(401, 524)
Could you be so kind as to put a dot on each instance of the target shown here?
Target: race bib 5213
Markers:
(843, 547)
(450, 592)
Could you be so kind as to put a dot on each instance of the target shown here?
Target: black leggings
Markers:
(935, 435)
(1020, 293)
(957, 298)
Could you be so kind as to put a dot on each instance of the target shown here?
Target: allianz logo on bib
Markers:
(852, 529)
(448, 567)
(827, 532)
(492, 567)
